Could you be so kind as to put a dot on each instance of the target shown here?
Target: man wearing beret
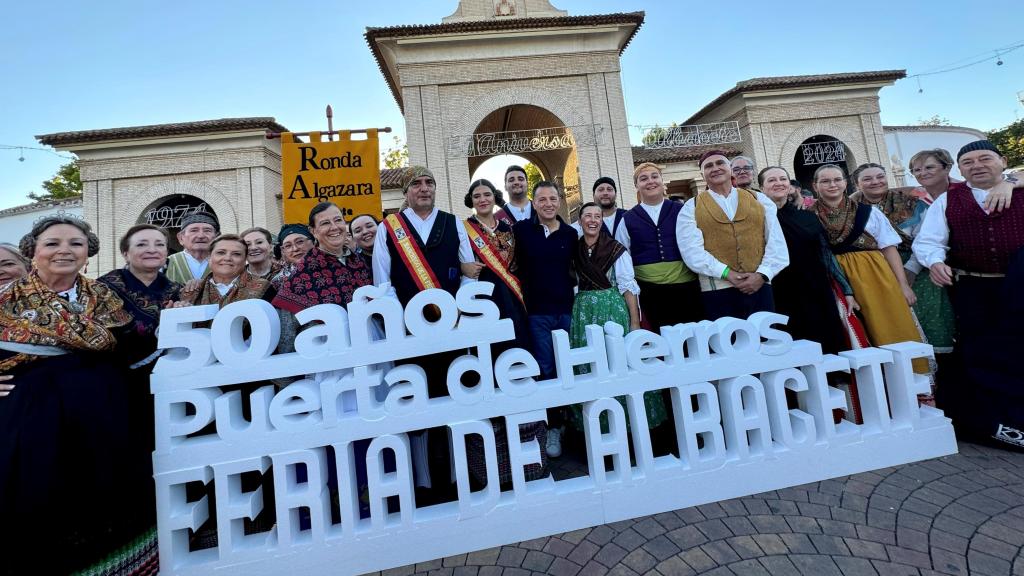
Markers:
(605, 192)
(417, 249)
(979, 254)
(196, 233)
(732, 239)
(420, 234)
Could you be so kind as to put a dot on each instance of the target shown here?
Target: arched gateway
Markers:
(483, 83)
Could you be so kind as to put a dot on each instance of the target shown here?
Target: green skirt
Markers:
(598, 307)
(935, 313)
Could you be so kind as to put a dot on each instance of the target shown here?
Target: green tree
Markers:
(657, 134)
(67, 183)
(396, 156)
(935, 120)
(1011, 141)
(533, 176)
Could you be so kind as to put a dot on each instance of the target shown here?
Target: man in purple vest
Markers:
(980, 256)
(652, 232)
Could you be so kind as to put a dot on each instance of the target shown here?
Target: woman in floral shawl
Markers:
(74, 471)
(226, 280)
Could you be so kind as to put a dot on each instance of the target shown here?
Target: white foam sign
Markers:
(728, 381)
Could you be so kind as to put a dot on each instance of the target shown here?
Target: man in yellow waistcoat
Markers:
(733, 241)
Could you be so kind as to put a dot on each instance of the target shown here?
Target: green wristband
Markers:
(725, 273)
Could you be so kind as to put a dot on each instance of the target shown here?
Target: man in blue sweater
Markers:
(543, 263)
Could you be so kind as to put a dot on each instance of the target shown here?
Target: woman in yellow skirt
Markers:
(864, 243)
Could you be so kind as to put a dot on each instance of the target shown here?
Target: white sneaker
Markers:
(554, 444)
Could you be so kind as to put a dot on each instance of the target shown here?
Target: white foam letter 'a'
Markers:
(383, 485)
(748, 431)
(481, 364)
(614, 443)
(473, 504)
(329, 335)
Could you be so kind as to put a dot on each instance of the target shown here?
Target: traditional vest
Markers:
(737, 243)
(649, 242)
(619, 214)
(980, 242)
(441, 251)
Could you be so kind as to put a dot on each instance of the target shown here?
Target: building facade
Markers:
(497, 77)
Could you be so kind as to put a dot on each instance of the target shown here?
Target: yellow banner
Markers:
(345, 172)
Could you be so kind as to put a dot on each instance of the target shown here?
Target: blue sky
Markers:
(85, 65)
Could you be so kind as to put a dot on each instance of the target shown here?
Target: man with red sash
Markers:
(980, 256)
(419, 248)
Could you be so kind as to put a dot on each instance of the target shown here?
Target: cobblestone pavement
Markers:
(962, 514)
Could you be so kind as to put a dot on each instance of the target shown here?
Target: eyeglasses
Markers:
(743, 169)
(832, 181)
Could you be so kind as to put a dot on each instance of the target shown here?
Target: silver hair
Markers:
(753, 165)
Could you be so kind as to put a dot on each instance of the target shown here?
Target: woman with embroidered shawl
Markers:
(865, 244)
(294, 241)
(808, 289)
(226, 280)
(75, 475)
(608, 292)
(329, 273)
(493, 245)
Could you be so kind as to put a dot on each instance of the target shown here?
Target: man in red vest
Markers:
(980, 256)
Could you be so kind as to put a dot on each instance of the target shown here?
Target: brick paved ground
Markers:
(962, 514)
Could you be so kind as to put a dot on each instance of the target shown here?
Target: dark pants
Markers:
(669, 304)
(541, 326)
(732, 302)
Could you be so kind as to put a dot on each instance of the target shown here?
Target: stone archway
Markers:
(819, 150)
(850, 136)
(213, 198)
(519, 109)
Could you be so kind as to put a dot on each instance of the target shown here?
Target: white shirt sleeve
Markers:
(776, 254)
(579, 229)
(382, 260)
(622, 234)
(624, 277)
(465, 250)
(881, 230)
(932, 241)
(691, 243)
